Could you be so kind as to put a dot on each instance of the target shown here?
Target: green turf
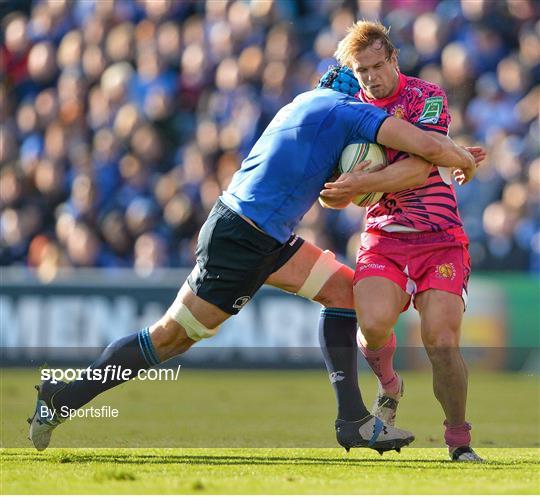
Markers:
(268, 409)
(268, 471)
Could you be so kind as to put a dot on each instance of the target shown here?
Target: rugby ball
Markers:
(357, 152)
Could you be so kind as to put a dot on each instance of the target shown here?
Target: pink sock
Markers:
(381, 363)
(457, 436)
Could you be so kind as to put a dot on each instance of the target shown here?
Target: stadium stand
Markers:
(121, 122)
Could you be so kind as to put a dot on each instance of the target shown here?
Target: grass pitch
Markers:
(267, 471)
(166, 430)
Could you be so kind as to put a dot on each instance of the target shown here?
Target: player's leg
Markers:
(380, 292)
(226, 269)
(176, 331)
(441, 271)
(379, 302)
(316, 275)
(190, 320)
(441, 315)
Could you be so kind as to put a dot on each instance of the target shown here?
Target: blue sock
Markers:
(133, 352)
(337, 337)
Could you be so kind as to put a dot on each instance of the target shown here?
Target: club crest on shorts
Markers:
(445, 271)
(241, 302)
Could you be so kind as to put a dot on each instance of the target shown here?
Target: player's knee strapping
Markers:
(323, 269)
(194, 328)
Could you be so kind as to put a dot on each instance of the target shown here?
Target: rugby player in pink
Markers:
(414, 246)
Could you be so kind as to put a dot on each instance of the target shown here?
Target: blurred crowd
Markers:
(123, 120)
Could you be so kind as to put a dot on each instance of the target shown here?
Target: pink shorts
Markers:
(417, 261)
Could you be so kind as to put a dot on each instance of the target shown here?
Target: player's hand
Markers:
(346, 186)
(340, 78)
(478, 153)
(331, 204)
(468, 171)
(463, 176)
(333, 197)
(459, 176)
(362, 166)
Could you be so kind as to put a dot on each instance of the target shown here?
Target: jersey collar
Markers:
(383, 102)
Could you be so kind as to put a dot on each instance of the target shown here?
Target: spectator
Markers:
(122, 122)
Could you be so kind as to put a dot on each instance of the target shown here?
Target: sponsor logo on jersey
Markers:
(417, 90)
(432, 110)
(445, 271)
(241, 302)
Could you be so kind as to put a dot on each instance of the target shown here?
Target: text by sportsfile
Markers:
(108, 373)
(88, 412)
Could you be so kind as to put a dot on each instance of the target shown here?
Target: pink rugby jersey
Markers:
(432, 206)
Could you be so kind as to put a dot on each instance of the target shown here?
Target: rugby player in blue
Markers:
(248, 240)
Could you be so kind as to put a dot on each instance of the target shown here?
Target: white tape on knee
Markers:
(320, 273)
(194, 328)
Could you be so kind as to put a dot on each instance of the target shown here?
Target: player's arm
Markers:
(478, 153)
(401, 135)
(432, 146)
(407, 173)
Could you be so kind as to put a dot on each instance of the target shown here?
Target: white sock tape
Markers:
(194, 328)
(323, 269)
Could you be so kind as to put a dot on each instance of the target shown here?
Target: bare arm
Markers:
(407, 173)
(434, 147)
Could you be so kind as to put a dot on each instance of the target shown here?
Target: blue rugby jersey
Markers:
(297, 153)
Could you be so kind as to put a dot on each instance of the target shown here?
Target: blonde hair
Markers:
(361, 35)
